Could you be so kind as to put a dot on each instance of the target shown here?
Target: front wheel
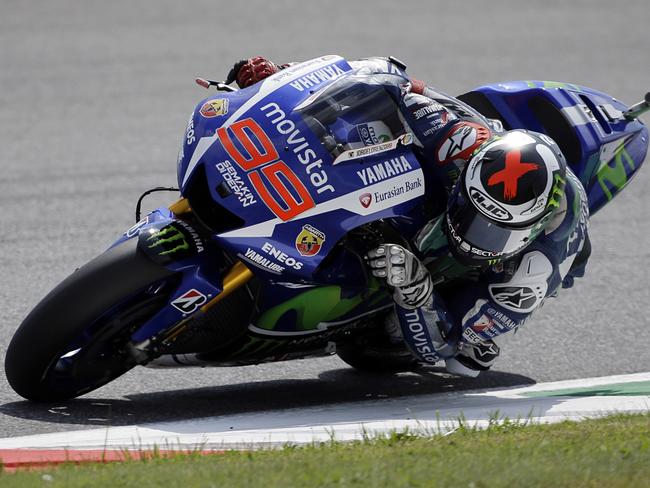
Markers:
(75, 340)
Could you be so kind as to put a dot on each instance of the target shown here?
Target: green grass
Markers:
(610, 452)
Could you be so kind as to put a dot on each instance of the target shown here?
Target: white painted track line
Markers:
(438, 413)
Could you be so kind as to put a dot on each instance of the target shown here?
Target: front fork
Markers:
(238, 275)
(167, 238)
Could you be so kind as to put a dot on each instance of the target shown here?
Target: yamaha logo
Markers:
(488, 206)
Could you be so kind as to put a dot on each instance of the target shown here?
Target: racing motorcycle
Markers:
(284, 187)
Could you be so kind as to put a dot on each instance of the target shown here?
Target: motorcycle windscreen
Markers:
(357, 110)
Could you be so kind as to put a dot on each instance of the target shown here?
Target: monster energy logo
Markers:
(556, 192)
(169, 235)
(617, 176)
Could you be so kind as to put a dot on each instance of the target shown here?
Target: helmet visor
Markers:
(478, 238)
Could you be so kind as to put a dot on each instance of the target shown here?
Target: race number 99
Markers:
(295, 198)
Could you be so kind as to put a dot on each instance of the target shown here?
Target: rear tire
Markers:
(74, 340)
(375, 354)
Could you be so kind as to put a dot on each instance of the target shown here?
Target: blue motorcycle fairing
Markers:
(603, 149)
(262, 229)
(175, 244)
(161, 214)
(334, 219)
(385, 185)
(199, 283)
(291, 86)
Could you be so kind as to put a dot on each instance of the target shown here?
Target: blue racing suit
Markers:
(468, 317)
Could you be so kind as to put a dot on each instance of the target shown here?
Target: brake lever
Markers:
(219, 85)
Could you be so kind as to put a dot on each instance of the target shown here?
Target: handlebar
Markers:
(638, 108)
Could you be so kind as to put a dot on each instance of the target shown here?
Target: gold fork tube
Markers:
(238, 276)
(180, 207)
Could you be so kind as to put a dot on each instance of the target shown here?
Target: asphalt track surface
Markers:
(94, 97)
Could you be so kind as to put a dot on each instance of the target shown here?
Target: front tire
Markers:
(74, 341)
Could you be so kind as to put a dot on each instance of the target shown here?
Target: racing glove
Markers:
(247, 72)
(402, 270)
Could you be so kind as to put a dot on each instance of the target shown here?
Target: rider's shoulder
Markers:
(568, 226)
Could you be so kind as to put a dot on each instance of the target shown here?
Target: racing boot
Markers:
(473, 358)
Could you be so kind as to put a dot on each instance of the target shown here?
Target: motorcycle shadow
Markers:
(331, 387)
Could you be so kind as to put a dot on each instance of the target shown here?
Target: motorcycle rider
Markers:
(512, 231)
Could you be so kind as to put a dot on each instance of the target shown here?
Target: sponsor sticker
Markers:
(365, 200)
(483, 322)
(297, 142)
(309, 241)
(194, 235)
(417, 183)
(255, 258)
(427, 115)
(486, 327)
(373, 133)
(502, 322)
(418, 337)
(516, 298)
(189, 301)
(315, 78)
(430, 108)
(404, 139)
(190, 135)
(275, 261)
(384, 170)
(282, 257)
(462, 141)
(215, 108)
(136, 228)
(236, 183)
(169, 241)
(488, 206)
(437, 123)
(177, 240)
(466, 247)
(469, 335)
(475, 322)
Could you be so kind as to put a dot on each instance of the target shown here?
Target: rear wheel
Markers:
(75, 340)
(376, 354)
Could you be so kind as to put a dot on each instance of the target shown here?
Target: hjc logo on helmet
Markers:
(495, 210)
